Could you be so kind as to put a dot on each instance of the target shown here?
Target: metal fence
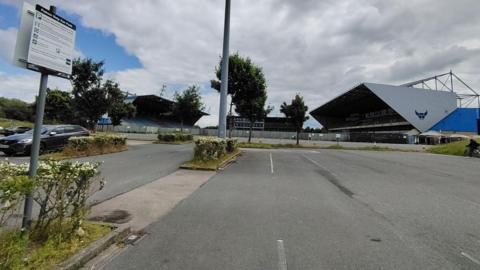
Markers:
(235, 133)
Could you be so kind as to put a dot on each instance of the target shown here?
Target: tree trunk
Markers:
(250, 133)
(298, 137)
(181, 126)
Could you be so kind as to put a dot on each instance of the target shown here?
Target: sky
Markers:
(316, 48)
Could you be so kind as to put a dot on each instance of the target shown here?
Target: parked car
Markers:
(15, 130)
(53, 137)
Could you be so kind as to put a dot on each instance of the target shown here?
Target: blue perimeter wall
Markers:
(460, 120)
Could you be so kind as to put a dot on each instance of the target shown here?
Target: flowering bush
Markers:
(97, 144)
(209, 148)
(175, 137)
(61, 189)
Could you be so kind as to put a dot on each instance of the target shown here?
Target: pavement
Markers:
(148, 203)
(322, 209)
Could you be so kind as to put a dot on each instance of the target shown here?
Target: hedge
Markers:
(97, 142)
(211, 148)
(175, 137)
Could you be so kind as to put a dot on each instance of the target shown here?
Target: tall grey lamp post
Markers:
(222, 119)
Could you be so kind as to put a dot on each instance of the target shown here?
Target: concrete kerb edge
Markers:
(91, 251)
(229, 160)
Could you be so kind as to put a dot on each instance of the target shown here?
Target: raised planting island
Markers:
(177, 137)
(212, 153)
(98, 144)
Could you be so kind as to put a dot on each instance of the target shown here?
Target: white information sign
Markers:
(52, 42)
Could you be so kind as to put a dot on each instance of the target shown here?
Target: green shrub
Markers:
(95, 143)
(209, 148)
(13, 188)
(232, 145)
(61, 189)
(175, 137)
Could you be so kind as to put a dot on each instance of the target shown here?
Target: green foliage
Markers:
(209, 148)
(454, 148)
(59, 106)
(61, 190)
(98, 141)
(118, 109)
(18, 251)
(13, 188)
(249, 89)
(89, 97)
(239, 73)
(12, 123)
(175, 137)
(92, 99)
(16, 109)
(188, 104)
(232, 145)
(13, 248)
(86, 74)
(62, 193)
(296, 113)
(213, 148)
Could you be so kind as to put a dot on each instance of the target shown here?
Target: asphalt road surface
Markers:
(141, 164)
(322, 209)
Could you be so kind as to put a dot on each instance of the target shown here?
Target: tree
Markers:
(59, 106)
(239, 75)
(188, 104)
(296, 113)
(250, 94)
(90, 97)
(118, 109)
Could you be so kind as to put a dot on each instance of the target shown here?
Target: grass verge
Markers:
(333, 146)
(261, 145)
(6, 123)
(453, 148)
(211, 165)
(68, 153)
(368, 148)
(18, 252)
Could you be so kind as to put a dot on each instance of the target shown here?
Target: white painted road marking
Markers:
(470, 257)
(282, 259)
(271, 163)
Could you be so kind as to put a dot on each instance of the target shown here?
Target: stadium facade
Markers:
(387, 113)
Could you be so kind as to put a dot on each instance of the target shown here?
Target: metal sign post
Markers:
(222, 120)
(35, 151)
(45, 43)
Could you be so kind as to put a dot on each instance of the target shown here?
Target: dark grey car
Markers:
(53, 137)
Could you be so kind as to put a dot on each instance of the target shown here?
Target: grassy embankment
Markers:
(7, 123)
(453, 148)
